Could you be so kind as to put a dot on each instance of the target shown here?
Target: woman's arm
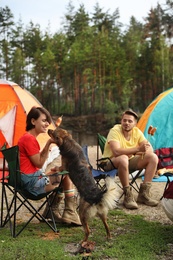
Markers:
(39, 159)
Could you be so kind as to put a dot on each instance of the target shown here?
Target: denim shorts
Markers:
(35, 182)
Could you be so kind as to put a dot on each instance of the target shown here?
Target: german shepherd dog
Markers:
(93, 201)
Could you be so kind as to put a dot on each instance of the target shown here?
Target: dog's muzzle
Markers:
(50, 131)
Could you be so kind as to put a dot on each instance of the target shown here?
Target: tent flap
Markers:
(7, 123)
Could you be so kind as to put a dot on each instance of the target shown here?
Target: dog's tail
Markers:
(109, 197)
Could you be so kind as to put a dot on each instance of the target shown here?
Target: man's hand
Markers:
(145, 147)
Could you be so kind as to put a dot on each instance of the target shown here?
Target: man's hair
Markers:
(130, 112)
(35, 113)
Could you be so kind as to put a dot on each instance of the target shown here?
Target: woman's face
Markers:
(40, 124)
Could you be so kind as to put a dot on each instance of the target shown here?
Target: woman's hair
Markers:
(35, 113)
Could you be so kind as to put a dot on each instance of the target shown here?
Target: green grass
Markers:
(132, 238)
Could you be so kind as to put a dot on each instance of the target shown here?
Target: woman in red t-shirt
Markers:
(32, 160)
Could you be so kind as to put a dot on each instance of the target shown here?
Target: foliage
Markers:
(93, 62)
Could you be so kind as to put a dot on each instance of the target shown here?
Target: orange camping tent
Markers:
(15, 103)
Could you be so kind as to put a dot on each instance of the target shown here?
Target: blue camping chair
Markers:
(100, 175)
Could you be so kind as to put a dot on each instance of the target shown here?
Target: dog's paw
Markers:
(86, 247)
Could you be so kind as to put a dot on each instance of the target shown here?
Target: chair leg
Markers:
(52, 226)
(6, 218)
(13, 207)
(2, 204)
(37, 214)
(134, 181)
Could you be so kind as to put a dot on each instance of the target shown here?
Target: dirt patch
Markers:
(50, 235)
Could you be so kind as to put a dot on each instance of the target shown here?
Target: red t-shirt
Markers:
(28, 146)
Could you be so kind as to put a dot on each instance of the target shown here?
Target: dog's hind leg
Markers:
(86, 229)
(103, 217)
(83, 213)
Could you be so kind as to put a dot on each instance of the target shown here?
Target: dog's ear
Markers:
(63, 133)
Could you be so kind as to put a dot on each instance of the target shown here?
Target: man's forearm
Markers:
(44, 153)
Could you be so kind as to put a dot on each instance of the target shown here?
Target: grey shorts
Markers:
(35, 182)
(108, 166)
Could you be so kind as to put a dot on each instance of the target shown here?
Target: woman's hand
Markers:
(55, 169)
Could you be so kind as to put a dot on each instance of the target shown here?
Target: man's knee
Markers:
(156, 158)
(152, 158)
(122, 162)
(116, 162)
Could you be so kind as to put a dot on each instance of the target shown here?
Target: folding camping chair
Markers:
(99, 174)
(21, 197)
(101, 141)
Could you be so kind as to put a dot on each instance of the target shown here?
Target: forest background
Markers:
(92, 65)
